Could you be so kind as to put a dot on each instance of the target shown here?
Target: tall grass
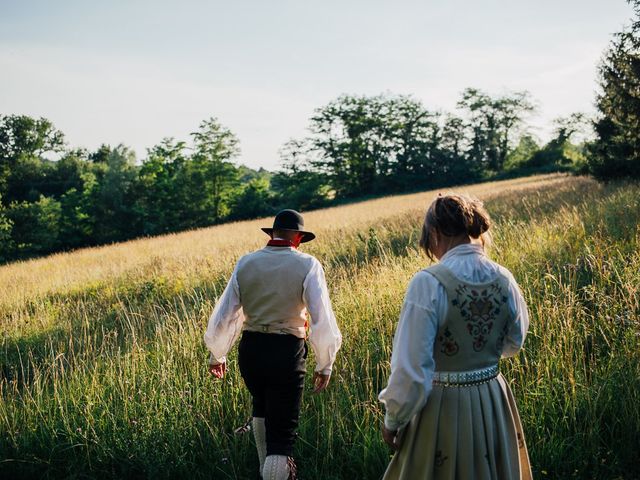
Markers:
(103, 366)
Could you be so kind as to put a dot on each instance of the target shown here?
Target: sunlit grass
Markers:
(103, 366)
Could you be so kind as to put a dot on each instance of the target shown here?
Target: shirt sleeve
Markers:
(412, 362)
(518, 330)
(324, 335)
(225, 323)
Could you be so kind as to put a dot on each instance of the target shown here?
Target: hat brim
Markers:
(307, 236)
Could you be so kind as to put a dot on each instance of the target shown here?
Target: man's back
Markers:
(266, 300)
(271, 288)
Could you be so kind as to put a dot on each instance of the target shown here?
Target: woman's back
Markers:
(451, 410)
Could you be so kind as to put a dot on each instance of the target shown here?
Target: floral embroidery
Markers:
(449, 344)
(439, 460)
(479, 307)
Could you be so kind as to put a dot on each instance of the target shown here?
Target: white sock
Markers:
(260, 436)
(276, 467)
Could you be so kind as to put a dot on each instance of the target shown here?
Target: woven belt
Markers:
(463, 379)
(299, 332)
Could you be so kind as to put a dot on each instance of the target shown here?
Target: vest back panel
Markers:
(477, 321)
(271, 290)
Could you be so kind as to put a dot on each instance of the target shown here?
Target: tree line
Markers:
(616, 151)
(55, 198)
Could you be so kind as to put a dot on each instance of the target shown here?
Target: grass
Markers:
(103, 365)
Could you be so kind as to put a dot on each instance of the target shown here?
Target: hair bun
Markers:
(480, 222)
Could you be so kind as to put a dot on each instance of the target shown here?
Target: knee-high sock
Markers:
(276, 467)
(260, 436)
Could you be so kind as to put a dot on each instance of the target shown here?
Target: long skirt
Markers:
(466, 433)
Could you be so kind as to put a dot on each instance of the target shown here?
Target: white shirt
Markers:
(425, 307)
(225, 323)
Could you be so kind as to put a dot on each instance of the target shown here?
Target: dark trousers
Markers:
(273, 368)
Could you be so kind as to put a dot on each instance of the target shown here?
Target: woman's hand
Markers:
(320, 382)
(390, 438)
(218, 369)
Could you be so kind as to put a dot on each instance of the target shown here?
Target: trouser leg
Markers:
(282, 414)
(273, 368)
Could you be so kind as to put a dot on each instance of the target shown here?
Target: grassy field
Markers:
(103, 368)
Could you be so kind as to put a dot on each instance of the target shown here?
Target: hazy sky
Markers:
(136, 71)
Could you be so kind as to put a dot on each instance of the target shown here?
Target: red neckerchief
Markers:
(281, 243)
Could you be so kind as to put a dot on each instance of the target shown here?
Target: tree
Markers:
(346, 135)
(518, 157)
(363, 145)
(493, 124)
(560, 152)
(415, 151)
(6, 242)
(616, 151)
(35, 227)
(83, 198)
(299, 184)
(160, 205)
(376, 144)
(77, 221)
(254, 199)
(211, 175)
(23, 143)
(113, 199)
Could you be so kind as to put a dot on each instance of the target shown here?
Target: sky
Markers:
(135, 72)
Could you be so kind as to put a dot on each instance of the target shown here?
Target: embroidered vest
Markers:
(271, 287)
(477, 321)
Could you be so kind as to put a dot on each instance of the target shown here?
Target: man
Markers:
(267, 299)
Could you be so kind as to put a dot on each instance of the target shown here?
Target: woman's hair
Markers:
(454, 215)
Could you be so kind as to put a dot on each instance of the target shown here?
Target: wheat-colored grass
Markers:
(215, 247)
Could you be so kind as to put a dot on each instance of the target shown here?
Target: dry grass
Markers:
(192, 252)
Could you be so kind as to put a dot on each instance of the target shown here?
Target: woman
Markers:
(449, 412)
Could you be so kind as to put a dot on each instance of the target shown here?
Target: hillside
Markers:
(103, 366)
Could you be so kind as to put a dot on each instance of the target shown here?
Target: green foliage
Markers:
(23, 140)
(527, 147)
(369, 145)
(105, 196)
(616, 152)
(35, 227)
(560, 151)
(358, 146)
(161, 179)
(6, 243)
(298, 185)
(254, 199)
(492, 124)
(114, 196)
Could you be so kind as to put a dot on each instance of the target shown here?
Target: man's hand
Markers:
(390, 438)
(320, 381)
(218, 369)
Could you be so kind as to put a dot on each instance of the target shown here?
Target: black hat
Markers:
(290, 220)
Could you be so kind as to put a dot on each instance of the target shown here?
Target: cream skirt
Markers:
(464, 433)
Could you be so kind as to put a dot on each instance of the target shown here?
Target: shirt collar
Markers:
(464, 249)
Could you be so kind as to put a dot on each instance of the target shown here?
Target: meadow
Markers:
(103, 367)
